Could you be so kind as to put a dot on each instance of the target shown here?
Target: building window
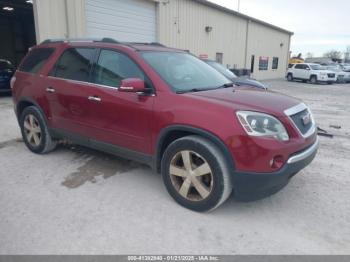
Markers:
(275, 63)
(263, 63)
(219, 57)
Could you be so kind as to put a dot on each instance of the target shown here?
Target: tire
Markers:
(290, 77)
(216, 180)
(313, 80)
(34, 130)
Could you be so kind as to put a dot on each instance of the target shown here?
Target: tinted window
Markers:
(112, 67)
(275, 63)
(299, 66)
(35, 60)
(184, 72)
(74, 64)
(263, 63)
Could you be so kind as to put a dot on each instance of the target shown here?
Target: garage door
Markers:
(131, 20)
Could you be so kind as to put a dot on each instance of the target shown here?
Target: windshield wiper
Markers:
(227, 85)
(189, 91)
(207, 89)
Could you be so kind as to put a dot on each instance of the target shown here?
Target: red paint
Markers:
(135, 122)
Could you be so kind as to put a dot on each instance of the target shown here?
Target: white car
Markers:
(345, 67)
(311, 72)
(342, 76)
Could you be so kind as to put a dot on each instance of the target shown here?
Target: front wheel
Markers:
(196, 174)
(313, 80)
(290, 77)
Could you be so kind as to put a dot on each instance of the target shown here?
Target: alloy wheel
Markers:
(191, 175)
(32, 130)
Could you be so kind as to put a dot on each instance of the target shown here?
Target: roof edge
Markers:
(230, 11)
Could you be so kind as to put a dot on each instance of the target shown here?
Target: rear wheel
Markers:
(195, 173)
(313, 79)
(290, 77)
(35, 132)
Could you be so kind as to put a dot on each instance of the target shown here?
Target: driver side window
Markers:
(112, 67)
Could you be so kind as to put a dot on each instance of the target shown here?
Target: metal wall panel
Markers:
(182, 25)
(267, 42)
(59, 19)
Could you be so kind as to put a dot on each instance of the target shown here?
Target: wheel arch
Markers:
(314, 75)
(171, 133)
(26, 102)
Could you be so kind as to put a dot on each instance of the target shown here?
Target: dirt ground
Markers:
(79, 201)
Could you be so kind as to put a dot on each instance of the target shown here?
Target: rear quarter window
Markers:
(35, 60)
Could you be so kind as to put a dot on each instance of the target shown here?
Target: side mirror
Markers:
(308, 68)
(132, 85)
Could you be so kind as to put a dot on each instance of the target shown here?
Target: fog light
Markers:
(277, 162)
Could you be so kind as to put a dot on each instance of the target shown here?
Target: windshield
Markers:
(316, 67)
(184, 72)
(223, 70)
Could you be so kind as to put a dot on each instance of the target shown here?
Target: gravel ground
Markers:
(79, 201)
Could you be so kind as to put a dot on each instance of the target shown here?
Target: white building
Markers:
(203, 28)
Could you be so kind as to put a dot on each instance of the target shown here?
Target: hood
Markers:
(245, 98)
(249, 82)
(327, 71)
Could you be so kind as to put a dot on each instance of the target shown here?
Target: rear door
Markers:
(68, 89)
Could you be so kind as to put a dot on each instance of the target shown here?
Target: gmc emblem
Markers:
(306, 119)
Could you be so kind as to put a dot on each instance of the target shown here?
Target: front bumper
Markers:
(326, 79)
(254, 186)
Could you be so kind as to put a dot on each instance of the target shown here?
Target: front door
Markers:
(119, 118)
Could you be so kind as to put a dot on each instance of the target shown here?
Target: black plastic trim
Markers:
(105, 147)
(255, 186)
(31, 101)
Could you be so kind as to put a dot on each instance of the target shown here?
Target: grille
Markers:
(331, 75)
(298, 121)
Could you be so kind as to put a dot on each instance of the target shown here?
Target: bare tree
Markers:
(309, 55)
(347, 54)
(333, 54)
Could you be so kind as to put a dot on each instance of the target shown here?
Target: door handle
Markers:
(50, 90)
(94, 98)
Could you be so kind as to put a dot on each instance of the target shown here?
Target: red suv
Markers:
(168, 109)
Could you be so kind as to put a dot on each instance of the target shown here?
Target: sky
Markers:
(318, 25)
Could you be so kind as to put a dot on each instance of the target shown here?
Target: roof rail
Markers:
(144, 43)
(68, 40)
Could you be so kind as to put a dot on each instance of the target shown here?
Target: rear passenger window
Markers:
(35, 60)
(74, 64)
(112, 67)
(299, 66)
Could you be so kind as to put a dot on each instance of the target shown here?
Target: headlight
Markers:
(323, 74)
(259, 124)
